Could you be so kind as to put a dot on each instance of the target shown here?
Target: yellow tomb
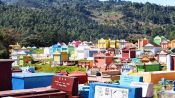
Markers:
(156, 76)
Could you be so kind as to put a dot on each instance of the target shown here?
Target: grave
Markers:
(127, 69)
(67, 84)
(147, 88)
(62, 87)
(148, 67)
(166, 94)
(82, 77)
(83, 91)
(57, 58)
(28, 69)
(101, 90)
(5, 74)
(155, 77)
(127, 79)
(31, 80)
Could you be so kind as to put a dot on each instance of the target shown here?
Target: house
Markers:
(147, 58)
(14, 56)
(163, 56)
(64, 56)
(122, 43)
(142, 42)
(172, 44)
(148, 67)
(172, 61)
(90, 52)
(21, 57)
(81, 51)
(158, 39)
(139, 53)
(164, 44)
(14, 47)
(113, 43)
(46, 52)
(128, 53)
(85, 63)
(112, 51)
(64, 48)
(102, 43)
(76, 43)
(57, 58)
(71, 50)
(102, 60)
(56, 47)
(152, 48)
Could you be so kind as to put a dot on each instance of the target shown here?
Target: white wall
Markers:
(168, 63)
(163, 59)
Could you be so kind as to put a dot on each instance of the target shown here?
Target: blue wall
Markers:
(31, 80)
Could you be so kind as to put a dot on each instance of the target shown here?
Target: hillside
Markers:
(45, 22)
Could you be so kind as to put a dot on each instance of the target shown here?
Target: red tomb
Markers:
(5, 74)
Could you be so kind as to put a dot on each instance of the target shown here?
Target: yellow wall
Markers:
(56, 58)
(112, 43)
(155, 77)
(102, 43)
(173, 44)
(117, 44)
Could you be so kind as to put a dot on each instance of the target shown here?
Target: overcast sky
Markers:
(159, 2)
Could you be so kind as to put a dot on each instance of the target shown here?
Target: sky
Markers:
(159, 2)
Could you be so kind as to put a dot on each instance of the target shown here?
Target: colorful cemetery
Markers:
(115, 68)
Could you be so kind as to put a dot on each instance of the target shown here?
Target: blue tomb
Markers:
(101, 90)
(31, 80)
(127, 79)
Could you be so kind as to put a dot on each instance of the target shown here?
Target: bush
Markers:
(56, 69)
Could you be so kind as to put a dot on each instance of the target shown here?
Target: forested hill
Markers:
(45, 22)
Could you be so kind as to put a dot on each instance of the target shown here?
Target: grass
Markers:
(56, 69)
(45, 66)
(38, 51)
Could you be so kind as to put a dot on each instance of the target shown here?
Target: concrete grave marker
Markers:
(110, 92)
(67, 84)
(126, 69)
(127, 79)
(147, 88)
(31, 80)
(102, 90)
